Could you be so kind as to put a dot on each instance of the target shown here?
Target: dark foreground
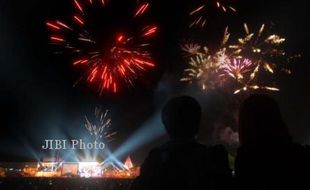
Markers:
(64, 184)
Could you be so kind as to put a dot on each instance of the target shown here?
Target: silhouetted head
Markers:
(181, 117)
(261, 123)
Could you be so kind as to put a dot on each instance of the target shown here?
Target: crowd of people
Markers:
(266, 159)
(27, 183)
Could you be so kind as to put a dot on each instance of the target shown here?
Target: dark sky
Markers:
(37, 100)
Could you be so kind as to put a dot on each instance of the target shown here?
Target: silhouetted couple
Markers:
(267, 157)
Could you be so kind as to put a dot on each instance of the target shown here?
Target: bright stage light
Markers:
(90, 169)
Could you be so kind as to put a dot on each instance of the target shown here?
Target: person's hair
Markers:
(181, 117)
(261, 123)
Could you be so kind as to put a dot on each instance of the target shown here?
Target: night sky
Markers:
(38, 100)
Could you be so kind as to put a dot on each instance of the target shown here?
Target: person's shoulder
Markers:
(306, 147)
(303, 149)
(213, 152)
(158, 152)
(200, 146)
(151, 160)
(300, 148)
(217, 149)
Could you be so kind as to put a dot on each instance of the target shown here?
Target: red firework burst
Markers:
(122, 59)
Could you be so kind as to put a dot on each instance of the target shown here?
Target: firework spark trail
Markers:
(201, 12)
(191, 49)
(236, 68)
(142, 9)
(100, 126)
(244, 62)
(264, 50)
(244, 72)
(120, 63)
(260, 47)
(204, 69)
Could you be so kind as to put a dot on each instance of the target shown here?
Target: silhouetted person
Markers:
(267, 157)
(182, 163)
